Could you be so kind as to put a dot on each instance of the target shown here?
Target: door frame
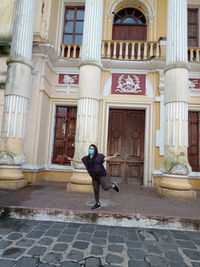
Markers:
(191, 107)
(55, 103)
(148, 141)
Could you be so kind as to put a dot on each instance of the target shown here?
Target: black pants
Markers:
(96, 182)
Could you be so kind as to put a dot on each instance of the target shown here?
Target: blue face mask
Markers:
(91, 151)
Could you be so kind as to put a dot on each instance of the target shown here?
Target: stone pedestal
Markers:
(80, 182)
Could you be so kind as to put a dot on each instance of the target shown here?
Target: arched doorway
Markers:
(129, 24)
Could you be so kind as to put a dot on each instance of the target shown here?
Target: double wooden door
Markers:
(126, 136)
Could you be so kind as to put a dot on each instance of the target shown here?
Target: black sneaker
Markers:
(96, 207)
(116, 187)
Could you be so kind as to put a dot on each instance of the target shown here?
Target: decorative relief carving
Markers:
(10, 158)
(68, 79)
(128, 84)
(194, 83)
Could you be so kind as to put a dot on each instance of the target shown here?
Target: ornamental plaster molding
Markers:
(143, 5)
(10, 158)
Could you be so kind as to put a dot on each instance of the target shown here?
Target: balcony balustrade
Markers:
(127, 50)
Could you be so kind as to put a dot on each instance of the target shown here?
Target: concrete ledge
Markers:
(176, 194)
(101, 218)
(79, 188)
(13, 184)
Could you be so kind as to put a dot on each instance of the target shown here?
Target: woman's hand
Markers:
(115, 155)
(111, 157)
(70, 159)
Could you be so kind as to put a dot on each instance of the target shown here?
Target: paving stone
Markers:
(97, 250)
(173, 256)
(87, 229)
(4, 231)
(37, 251)
(147, 235)
(134, 263)
(134, 244)
(74, 225)
(186, 244)
(192, 254)
(70, 231)
(197, 242)
(65, 238)
(115, 248)
(59, 225)
(93, 262)
(52, 258)
(25, 261)
(100, 234)
(14, 236)
(136, 253)
(13, 252)
(70, 264)
(84, 236)
(25, 242)
(75, 255)
(156, 261)
(115, 239)
(44, 265)
(45, 241)
(35, 234)
(7, 263)
(155, 249)
(98, 241)
(111, 258)
(193, 235)
(194, 264)
(180, 235)
(80, 245)
(168, 246)
(60, 247)
(177, 264)
(53, 233)
(4, 244)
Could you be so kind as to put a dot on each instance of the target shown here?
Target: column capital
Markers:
(177, 65)
(91, 62)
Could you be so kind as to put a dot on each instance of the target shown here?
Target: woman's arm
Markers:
(110, 157)
(75, 160)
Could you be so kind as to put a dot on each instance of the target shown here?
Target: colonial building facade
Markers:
(122, 74)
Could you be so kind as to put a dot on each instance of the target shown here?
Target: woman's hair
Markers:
(95, 149)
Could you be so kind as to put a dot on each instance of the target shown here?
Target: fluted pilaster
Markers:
(14, 116)
(23, 29)
(176, 132)
(92, 32)
(177, 31)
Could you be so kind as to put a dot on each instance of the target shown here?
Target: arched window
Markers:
(129, 24)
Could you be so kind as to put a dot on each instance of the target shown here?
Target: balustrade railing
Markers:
(128, 50)
(71, 51)
(194, 54)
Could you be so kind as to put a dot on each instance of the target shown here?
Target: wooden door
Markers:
(129, 32)
(126, 135)
(64, 134)
(193, 134)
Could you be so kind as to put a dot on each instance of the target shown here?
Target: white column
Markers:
(18, 85)
(89, 94)
(177, 31)
(92, 32)
(175, 167)
(90, 78)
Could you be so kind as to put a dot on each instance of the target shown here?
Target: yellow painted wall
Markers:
(6, 20)
(161, 18)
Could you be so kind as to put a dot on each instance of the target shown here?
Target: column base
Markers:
(175, 187)
(13, 184)
(80, 182)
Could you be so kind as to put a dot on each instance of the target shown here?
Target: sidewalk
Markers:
(133, 206)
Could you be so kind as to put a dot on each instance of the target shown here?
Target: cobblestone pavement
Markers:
(26, 243)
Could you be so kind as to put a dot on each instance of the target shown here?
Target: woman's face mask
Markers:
(91, 151)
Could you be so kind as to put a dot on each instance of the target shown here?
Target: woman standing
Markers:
(94, 165)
